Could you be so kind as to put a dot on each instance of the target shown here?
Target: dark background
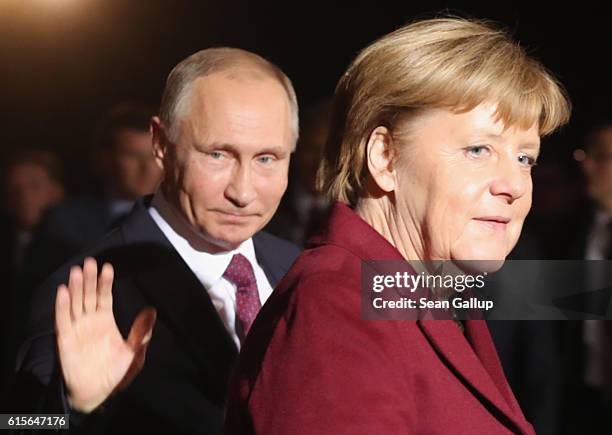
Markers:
(64, 62)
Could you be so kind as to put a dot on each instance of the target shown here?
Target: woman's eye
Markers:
(477, 150)
(527, 160)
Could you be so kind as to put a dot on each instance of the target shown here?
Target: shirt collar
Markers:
(119, 207)
(208, 267)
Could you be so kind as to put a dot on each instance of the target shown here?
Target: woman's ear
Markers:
(380, 155)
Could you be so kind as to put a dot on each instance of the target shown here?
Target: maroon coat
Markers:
(312, 366)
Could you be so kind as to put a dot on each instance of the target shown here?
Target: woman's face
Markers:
(463, 184)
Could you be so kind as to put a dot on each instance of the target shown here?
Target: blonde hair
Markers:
(448, 63)
(209, 61)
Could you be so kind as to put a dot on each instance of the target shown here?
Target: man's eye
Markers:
(526, 160)
(478, 150)
(217, 155)
(265, 159)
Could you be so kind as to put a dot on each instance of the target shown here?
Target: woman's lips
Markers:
(494, 222)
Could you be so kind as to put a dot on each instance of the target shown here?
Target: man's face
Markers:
(134, 170)
(227, 169)
(598, 169)
(30, 191)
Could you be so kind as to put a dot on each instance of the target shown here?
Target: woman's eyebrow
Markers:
(496, 136)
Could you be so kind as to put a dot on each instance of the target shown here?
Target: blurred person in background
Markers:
(32, 182)
(589, 352)
(303, 210)
(595, 243)
(124, 162)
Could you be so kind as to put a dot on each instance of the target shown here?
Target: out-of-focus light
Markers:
(55, 2)
(579, 155)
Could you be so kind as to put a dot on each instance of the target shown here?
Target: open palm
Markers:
(95, 358)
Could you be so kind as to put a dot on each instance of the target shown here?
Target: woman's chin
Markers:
(480, 260)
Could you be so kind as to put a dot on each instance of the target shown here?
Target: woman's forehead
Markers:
(483, 120)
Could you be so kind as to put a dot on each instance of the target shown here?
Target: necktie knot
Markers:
(240, 272)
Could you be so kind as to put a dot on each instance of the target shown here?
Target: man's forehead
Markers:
(221, 92)
(227, 113)
(246, 76)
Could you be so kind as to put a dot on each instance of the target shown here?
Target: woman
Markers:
(435, 130)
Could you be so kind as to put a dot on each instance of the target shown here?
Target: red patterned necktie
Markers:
(240, 272)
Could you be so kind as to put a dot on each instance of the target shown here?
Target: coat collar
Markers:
(274, 262)
(471, 356)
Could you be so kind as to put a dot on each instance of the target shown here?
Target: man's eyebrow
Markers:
(273, 149)
(224, 146)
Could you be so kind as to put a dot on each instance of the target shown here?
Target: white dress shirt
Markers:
(597, 239)
(208, 267)
(593, 333)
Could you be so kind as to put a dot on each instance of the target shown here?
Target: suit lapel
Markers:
(469, 365)
(181, 301)
(479, 337)
(270, 259)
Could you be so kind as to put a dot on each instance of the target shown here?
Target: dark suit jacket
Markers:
(311, 365)
(66, 230)
(585, 410)
(11, 302)
(182, 387)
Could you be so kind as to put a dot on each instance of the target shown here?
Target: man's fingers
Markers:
(142, 329)
(90, 281)
(75, 287)
(62, 311)
(105, 287)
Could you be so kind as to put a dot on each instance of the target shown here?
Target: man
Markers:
(597, 168)
(127, 170)
(32, 183)
(589, 382)
(193, 256)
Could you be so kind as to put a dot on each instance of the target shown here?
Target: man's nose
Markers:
(240, 189)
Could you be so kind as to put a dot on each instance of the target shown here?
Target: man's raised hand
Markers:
(96, 361)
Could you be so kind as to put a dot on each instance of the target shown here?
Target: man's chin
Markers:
(231, 240)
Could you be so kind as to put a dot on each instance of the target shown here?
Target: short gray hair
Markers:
(207, 62)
